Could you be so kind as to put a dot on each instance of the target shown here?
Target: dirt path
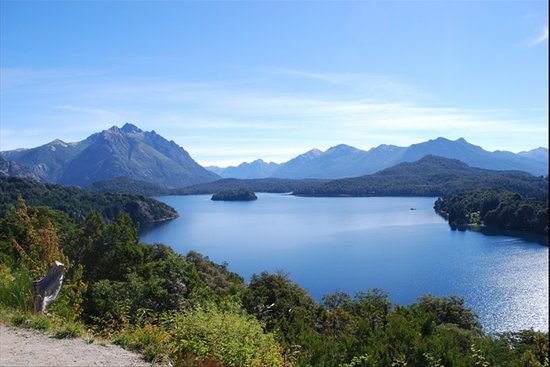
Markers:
(20, 347)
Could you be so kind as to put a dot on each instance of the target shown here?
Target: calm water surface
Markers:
(353, 244)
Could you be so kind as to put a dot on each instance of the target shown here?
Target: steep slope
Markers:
(116, 152)
(12, 169)
(49, 160)
(78, 203)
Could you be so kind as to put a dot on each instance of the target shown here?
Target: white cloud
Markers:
(542, 37)
(232, 121)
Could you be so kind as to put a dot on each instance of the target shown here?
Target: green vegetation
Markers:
(78, 204)
(189, 311)
(273, 185)
(235, 195)
(500, 209)
(429, 176)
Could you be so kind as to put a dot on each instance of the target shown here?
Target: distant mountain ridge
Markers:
(127, 151)
(429, 176)
(255, 169)
(344, 161)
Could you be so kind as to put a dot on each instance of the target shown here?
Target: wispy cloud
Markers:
(542, 37)
(227, 122)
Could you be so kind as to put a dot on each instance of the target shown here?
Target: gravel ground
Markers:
(20, 347)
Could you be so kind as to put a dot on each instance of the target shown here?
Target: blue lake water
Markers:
(352, 244)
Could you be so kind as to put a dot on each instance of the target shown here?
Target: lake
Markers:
(398, 244)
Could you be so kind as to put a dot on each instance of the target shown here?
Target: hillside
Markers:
(343, 161)
(429, 176)
(500, 209)
(78, 203)
(12, 169)
(127, 151)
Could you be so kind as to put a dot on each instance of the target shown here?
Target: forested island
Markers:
(235, 195)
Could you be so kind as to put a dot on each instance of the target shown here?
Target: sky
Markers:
(234, 81)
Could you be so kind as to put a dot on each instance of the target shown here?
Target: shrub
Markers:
(229, 337)
(15, 288)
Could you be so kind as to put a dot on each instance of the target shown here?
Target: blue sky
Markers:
(235, 81)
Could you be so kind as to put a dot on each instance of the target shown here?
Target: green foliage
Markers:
(235, 195)
(448, 310)
(280, 304)
(38, 322)
(69, 330)
(15, 288)
(273, 185)
(228, 336)
(185, 309)
(213, 280)
(151, 341)
(78, 203)
(501, 209)
(36, 244)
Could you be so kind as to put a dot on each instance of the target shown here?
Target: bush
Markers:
(15, 288)
(229, 337)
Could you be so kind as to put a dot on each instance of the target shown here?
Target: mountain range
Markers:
(147, 157)
(117, 152)
(343, 161)
(429, 176)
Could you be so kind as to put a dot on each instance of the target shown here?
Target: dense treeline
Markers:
(190, 311)
(79, 203)
(501, 209)
(235, 195)
(272, 185)
(429, 176)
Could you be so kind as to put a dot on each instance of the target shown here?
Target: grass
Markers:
(50, 324)
(70, 330)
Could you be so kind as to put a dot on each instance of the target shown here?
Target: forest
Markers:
(235, 195)
(429, 176)
(78, 203)
(189, 311)
(500, 209)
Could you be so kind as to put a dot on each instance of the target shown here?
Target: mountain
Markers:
(116, 152)
(429, 176)
(344, 161)
(215, 169)
(539, 154)
(256, 169)
(49, 160)
(12, 169)
(291, 168)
